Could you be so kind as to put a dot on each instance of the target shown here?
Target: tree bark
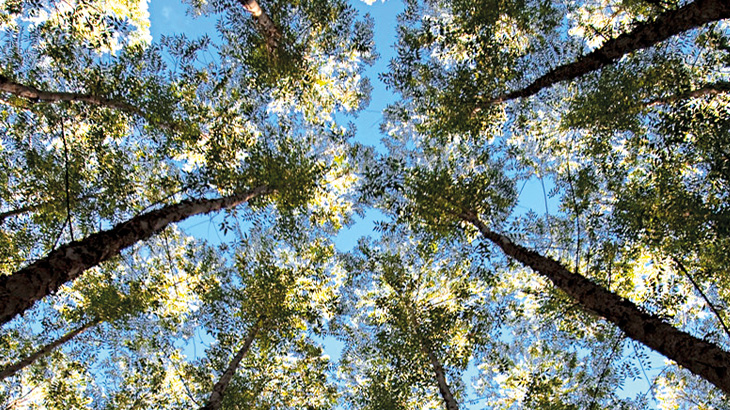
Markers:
(216, 397)
(700, 357)
(438, 369)
(35, 95)
(644, 35)
(719, 87)
(19, 291)
(21, 364)
(265, 25)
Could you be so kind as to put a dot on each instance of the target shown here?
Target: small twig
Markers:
(68, 196)
(704, 296)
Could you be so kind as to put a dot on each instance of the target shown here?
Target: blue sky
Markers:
(169, 17)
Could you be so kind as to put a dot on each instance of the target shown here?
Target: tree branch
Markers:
(645, 35)
(35, 95)
(21, 364)
(704, 296)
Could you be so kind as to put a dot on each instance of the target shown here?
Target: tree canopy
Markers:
(551, 189)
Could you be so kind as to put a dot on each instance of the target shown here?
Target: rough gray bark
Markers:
(700, 357)
(21, 364)
(216, 397)
(19, 291)
(265, 25)
(35, 95)
(644, 35)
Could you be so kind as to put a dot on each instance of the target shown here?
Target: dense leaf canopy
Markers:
(552, 191)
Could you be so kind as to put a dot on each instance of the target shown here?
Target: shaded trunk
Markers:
(264, 23)
(19, 291)
(700, 357)
(21, 364)
(216, 397)
(719, 87)
(644, 35)
(35, 95)
(438, 369)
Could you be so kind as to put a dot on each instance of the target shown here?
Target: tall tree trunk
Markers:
(19, 291)
(35, 95)
(438, 369)
(216, 397)
(265, 25)
(700, 357)
(20, 364)
(644, 35)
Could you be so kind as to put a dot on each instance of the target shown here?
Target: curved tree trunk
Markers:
(19, 291)
(700, 357)
(265, 25)
(35, 95)
(216, 397)
(644, 35)
(20, 364)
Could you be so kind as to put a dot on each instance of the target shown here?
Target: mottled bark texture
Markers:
(21, 364)
(35, 95)
(19, 291)
(644, 35)
(700, 357)
(216, 397)
(264, 23)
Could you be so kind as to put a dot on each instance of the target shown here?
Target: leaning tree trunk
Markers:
(21, 364)
(265, 25)
(35, 95)
(438, 369)
(644, 35)
(700, 357)
(19, 291)
(216, 397)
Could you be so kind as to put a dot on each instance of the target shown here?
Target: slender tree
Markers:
(19, 291)
(14, 368)
(216, 397)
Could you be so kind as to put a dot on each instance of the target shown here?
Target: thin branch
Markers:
(720, 87)
(704, 296)
(34, 95)
(44, 350)
(216, 397)
(68, 196)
